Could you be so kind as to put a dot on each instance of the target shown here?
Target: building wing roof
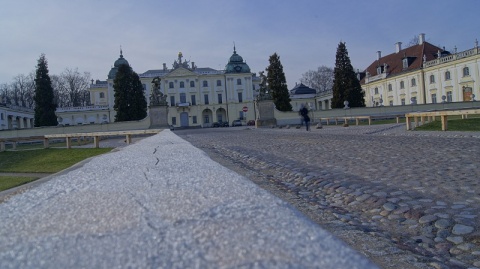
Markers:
(394, 61)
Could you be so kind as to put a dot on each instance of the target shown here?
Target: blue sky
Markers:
(305, 33)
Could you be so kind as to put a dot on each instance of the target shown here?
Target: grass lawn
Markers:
(11, 182)
(49, 160)
(471, 124)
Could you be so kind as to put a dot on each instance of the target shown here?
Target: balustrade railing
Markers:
(452, 57)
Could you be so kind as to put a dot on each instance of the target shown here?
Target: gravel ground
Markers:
(405, 199)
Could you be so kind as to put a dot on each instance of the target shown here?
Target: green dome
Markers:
(236, 64)
(116, 65)
(120, 61)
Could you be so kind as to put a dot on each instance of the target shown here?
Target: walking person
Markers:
(305, 117)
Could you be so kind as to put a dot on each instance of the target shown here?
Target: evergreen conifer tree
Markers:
(277, 84)
(346, 86)
(44, 98)
(130, 103)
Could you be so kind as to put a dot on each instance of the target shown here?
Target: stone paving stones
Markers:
(418, 187)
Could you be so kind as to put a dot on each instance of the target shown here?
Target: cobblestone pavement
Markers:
(405, 199)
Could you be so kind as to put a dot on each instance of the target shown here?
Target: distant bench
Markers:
(14, 141)
(358, 118)
(96, 137)
(443, 115)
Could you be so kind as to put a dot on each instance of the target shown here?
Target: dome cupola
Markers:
(236, 64)
(116, 65)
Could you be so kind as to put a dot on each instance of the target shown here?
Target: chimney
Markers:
(164, 66)
(421, 38)
(379, 55)
(398, 47)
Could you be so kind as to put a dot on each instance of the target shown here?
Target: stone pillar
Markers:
(265, 113)
(158, 116)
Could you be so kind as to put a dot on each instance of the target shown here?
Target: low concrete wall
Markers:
(40, 131)
(292, 117)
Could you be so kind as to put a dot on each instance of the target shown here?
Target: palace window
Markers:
(402, 85)
(390, 87)
(432, 79)
(170, 85)
(182, 84)
(376, 90)
(413, 100)
(447, 75)
(239, 81)
(403, 101)
(192, 84)
(390, 102)
(194, 119)
(466, 72)
(205, 98)
(194, 101)
(174, 120)
(240, 97)
(414, 82)
(172, 100)
(434, 98)
(183, 97)
(405, 63)
(205, 83)
(219, 83)
(102, 95)
(219, 98)
(449, 97)
(206, 119)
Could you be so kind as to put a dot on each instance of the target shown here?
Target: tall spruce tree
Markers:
(277, 84)
(130, 103)
(346, 86)
(44, 99)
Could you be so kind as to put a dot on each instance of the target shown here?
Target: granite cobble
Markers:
(417, 192)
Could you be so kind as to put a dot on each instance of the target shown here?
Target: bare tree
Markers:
(23, 90)
(321, 79)
(414, 41)
(74, 86)
(4, 93)
(60, 98)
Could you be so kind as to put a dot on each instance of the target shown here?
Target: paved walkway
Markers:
(406, 199)
(161, 203)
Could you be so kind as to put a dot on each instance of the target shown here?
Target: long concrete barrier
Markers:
(161, 203)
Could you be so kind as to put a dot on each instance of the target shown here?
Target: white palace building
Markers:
(422, 74)
(201, 96)
(196, 96)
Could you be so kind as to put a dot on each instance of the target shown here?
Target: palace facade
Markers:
(422, 74)
(196, 96)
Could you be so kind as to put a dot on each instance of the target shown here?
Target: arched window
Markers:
(102, 95)
(182, 84)
(466, 72)
(192, 84)
(170, 85)
(205, 83)
(447, 75)
(432, 79)
(414, 82)
(376, 90)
